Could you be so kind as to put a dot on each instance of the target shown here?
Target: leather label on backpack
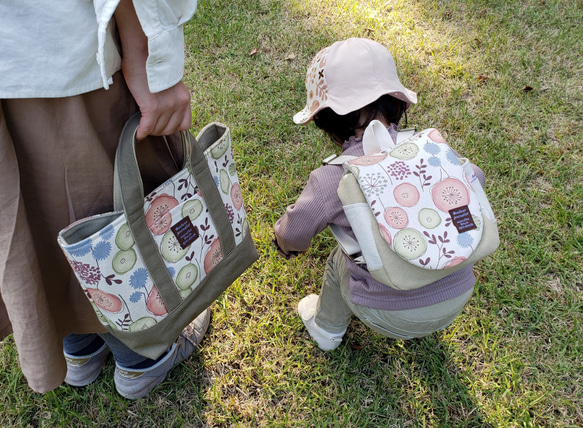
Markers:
(461, 217)
(186, 233)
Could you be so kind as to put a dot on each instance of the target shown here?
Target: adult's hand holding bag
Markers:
(155, 263)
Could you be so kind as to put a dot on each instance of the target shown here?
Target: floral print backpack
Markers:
(417, 210)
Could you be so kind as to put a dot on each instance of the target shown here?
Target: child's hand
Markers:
(282, 253)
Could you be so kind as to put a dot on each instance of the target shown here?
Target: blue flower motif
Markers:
(135, 297)
(107, 232)
(172, 271)
(101, 250)
(80, 249)
(217, 182)
(465, 240)
(431, 148)
(452, 158)
(139, 278)
(434, 161)
(373, 183)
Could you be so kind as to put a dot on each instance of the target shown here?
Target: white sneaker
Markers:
(326, 341)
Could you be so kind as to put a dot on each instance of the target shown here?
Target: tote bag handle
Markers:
(129, 196)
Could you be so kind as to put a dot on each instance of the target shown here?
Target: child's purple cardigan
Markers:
(319, 205)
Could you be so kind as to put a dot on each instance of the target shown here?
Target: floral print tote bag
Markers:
(156, 262)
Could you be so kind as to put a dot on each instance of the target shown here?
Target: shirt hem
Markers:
(54, 94)
(396, 300)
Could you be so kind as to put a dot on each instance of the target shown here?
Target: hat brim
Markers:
(306, 114)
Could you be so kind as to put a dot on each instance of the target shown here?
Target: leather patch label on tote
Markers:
(185, 232)
(461, 217)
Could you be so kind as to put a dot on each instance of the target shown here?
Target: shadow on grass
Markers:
(383, 382)
(177, 402)
(370, 381)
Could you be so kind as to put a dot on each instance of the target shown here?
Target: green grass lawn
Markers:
(503, 81)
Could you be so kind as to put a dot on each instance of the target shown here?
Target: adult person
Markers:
(72, 74)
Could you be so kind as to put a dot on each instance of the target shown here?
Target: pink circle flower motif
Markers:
(436, 136)
(449, 194)
(236, 196)
(214, 256)
(406, 195)
(368, 160)
(396, 217)
(155, 304)
(106, 301)
(386, 234)
(158, 217)
(455, 261)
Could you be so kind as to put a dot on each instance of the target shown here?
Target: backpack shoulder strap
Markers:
(405, 134)
(376, 138)
(337, 159)
(349, 245)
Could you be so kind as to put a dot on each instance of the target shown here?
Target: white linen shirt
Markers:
(56, 48)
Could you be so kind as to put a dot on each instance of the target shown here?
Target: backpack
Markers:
(417, 210)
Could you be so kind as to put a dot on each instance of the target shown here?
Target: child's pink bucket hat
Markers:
(349, 75)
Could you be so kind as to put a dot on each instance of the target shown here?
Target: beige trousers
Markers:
(335, 308)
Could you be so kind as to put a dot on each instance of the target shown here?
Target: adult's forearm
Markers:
(134, 43)
(163, 112)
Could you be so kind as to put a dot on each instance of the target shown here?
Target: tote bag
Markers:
(156, 262)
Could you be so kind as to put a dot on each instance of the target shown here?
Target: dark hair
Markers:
(341, 127)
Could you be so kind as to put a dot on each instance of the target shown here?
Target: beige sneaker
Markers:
(137, 383)
(84, 369)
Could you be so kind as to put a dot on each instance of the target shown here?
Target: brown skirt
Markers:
(56, 166)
